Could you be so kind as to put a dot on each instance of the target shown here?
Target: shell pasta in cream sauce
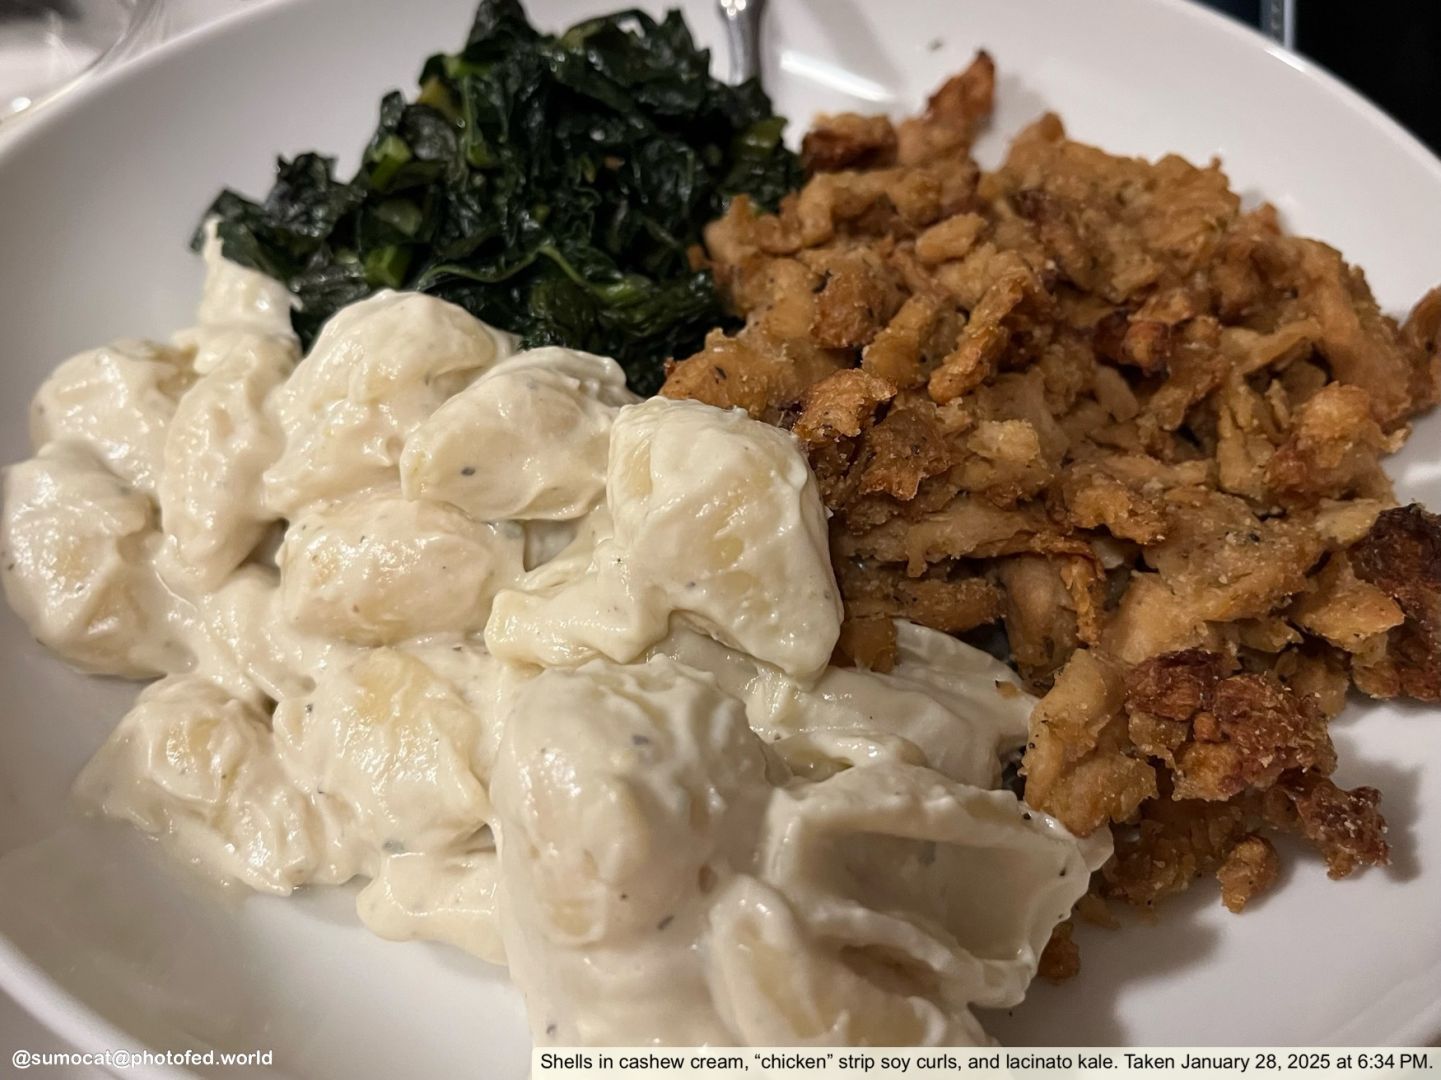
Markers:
(546, 665)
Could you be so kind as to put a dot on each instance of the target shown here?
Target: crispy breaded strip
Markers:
(1040, 616)
(1422, 331)
(1401, 555)
(1249, 870)
(897, 352)
(1348, 612)
(967, 528)
(840, 406)
(953, 117)
(749, 372)
(1088, 395)
(1221, 735)
(868, 642)
(848, 141)
(1061, 958)
(1256, 730)
(1345, 825)
(1174, 843)
(949, 604)
(1332, 450)
(1077, 766)
(1361, 346)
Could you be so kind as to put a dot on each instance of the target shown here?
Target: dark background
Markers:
(1390, 50)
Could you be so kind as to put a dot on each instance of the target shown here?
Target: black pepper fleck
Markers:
(469, 470)
(640, 740)
(665, 922)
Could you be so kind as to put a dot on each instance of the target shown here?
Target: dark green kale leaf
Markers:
(550, 184)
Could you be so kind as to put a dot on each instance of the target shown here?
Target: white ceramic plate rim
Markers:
(81, 1026)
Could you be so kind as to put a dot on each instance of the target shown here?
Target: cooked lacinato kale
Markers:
(551, 185)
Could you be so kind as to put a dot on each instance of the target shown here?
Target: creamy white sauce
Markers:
(548, 665)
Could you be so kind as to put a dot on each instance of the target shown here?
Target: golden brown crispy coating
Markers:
(858, 296)
(1124, 493)
(1115, 226)
(1316, 671)
(1196, 367)
(1174, 843)
(1150, 619)
(1086, 395)
(1128, 339)
(901, 351)
(1040, 615)
(953, 116)
(1106, 785)
(750, 372)
(1221, 735)
(868, 642)
(1422, 332)
(1004, 461)
(1344, 825)
(840, 406)
(1361, 346)
(848, 141)
(984, 338)
(1342, 522)
(1255, 730)
(1165, 693)
(1401, 555)
(952, 604)
(1061, 958)
(1227, 564)
(1348, 612)
(907, 446)
(1331, 450)
(1270, 634)
(1250, 869)
(1079, 763)
(967, 528)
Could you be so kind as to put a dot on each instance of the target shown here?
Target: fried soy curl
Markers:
(1092, 400)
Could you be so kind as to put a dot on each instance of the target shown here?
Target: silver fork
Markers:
(1278, 21)
(743, 29)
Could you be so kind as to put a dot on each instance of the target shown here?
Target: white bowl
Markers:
(111, 945)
